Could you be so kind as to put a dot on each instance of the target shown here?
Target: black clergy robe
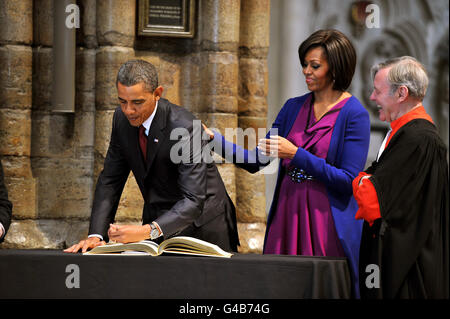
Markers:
(409, 244)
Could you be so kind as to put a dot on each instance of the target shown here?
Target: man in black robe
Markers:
(403, 195)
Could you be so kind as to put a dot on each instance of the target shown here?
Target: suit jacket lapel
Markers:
(156, 135)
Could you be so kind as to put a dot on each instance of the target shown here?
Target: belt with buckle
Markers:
(298, 175)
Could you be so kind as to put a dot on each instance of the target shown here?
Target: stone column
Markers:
(218, 63)
(62, 144)
(16, 36)
(115, 36)
(252, 114)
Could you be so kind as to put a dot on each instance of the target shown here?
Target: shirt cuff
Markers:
(2, 231)
(159, 228)
(96, 235)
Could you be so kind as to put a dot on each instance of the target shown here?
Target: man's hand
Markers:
(128, 233)
(208, 131)
(363, 178)
(85, 244)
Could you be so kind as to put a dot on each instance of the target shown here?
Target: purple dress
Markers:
(303, 222)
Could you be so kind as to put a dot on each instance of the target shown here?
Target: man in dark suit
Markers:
(183, 198)
(5, 207)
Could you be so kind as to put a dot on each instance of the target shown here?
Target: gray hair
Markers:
(136, 71)
(405, 71)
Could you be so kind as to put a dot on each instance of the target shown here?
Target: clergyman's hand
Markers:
(85, 244)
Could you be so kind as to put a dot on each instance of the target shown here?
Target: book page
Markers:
(146, 246)
(191, 245)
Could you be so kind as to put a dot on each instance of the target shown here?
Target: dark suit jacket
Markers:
(178, 196)
(5, 205)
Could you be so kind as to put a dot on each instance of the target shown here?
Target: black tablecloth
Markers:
(52, 274)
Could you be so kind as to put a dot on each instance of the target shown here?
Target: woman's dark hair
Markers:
(340, 54)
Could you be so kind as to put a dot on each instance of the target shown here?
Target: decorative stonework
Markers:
(386, 46)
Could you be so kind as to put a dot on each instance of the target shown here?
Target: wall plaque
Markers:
(168, 18)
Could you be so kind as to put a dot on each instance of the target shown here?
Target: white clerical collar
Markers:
(148, 122)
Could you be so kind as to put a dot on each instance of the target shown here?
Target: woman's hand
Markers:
(277, 146)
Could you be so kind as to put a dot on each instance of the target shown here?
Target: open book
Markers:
(176, 245)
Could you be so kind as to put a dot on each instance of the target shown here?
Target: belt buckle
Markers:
(298, 175)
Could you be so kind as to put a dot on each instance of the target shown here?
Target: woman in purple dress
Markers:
(322, 141)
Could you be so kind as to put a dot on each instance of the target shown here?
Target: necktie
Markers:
(143, 141)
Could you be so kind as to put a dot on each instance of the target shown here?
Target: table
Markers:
(54, 274)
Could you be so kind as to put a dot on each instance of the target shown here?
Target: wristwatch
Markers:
(154, 231)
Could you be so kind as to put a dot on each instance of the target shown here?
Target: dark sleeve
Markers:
(110, 184)
(5, 205)
(192, 185)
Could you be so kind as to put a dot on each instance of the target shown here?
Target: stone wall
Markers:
(52, 160)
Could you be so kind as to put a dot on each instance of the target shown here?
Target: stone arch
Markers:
(386, 46)
(403, 38)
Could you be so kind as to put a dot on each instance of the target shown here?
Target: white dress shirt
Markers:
(383, 145)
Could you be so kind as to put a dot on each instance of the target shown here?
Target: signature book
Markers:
(176, 245)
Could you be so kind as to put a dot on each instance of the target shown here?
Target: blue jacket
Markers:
(346, 157)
